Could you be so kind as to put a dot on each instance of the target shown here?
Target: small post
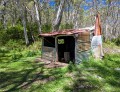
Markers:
(56, 49)
(42, 47)
(75, 36)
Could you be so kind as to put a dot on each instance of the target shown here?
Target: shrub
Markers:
(32, 31)
(46, 28)
(71, 67)
(3, 36)
(31, 53)
(13, 33)
(33, 27)
(117, 41)
(16, 56)
(1, 26)
(66, 26)
(13, 44)
(4, 50)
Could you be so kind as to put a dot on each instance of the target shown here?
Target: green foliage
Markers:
(46, 28)
(11, 33)
(32, 30)
(18, 67)
(116, 41)
(71, 67)
(16, 56)
(3, 37)
(3, 50)
(14, 44)
(14, 35)
(1, 26)
(66, 26)
(32, 26)
(15, 52)
(15, 32)
(99, 74)
(31, 53)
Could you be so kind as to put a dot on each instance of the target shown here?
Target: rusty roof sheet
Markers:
(64, 32)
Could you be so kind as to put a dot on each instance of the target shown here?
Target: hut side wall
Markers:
(82, 47)
(48, 53)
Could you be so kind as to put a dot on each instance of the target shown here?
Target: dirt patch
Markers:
(50, 64)
(109, 50)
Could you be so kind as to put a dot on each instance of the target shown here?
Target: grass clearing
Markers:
(19, 72)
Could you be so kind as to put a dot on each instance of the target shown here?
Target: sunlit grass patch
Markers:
(55, 85)
(102, 74)
(20, 72)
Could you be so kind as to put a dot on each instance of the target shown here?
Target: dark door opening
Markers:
(66, 49)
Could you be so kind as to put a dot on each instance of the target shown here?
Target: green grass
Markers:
(20, 73)
(101, 75)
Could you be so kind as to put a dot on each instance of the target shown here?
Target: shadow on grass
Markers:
(18, 73)
(80, 84)
(25, 75)
(14, 80)
(101, 78)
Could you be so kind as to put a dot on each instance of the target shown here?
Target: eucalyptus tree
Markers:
(3, 5)
(77, 13)
(109, 11)
(36, 3)
(71, 11)
(12, 12)
(46, 11)
(63, 12)
(59, 14)
(23, 11)
(112, 20)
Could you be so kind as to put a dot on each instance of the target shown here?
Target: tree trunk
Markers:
(75, 19)
(4, 21)
(58, 18)
(24, 25)
(3, 14)
(37, 15)
(76, 13)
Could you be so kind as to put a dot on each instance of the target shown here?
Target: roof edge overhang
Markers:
(66, 32)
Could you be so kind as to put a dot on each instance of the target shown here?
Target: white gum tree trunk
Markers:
(58, 18)
(37, 15)
(24, 25)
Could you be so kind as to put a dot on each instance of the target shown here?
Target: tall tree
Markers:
(58, 18)
(24, 20)
(23, 10)
(37, 15)
(3, 11)
(76, 12)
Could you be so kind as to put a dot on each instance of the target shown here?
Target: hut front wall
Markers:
(48, 53)
(82, 47)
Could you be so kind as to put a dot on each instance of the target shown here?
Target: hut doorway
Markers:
(66, 48)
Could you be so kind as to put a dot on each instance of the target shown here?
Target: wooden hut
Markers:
(67, 45)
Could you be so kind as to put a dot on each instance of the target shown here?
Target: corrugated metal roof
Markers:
(64, 32)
